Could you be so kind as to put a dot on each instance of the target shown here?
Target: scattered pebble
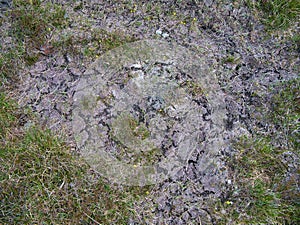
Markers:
(158, 32)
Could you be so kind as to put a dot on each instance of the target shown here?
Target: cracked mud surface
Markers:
(152, 110)
(221, 29)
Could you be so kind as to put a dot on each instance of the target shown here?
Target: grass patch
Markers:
(265, 189)
(41, 182)
(31, 25)
(8, 61)
(277, 14)
(33, 22)
(295, 40)
(258, 171)
(109, 40)
(98, 42)
(285, 114)
(7, 118)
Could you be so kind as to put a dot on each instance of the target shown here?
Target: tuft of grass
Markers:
(259, 192)
(277, 14)
(42, 182)
(265, 190)
(295, 41)
(31, 25)
(32, 22)
(230, 59)
(109, 40)
(258, 170)
(99, 41)
(7, 118)
(8, 61)
(285, 113)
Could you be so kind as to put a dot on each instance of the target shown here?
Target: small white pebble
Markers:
(158, 32)
(229, 181)
(165, 35)
(136, 66)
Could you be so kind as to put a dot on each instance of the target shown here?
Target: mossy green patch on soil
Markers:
(134, 141)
